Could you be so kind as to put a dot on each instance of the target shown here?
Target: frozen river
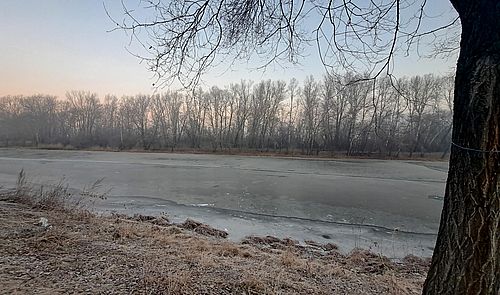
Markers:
(391, 207)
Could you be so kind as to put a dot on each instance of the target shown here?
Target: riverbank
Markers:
(295, 154)
(51, 246)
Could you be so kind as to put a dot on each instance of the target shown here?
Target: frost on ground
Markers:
(84, 253)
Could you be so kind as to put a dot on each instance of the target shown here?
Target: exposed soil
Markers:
(82, 253)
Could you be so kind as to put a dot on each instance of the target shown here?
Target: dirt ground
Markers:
(79, 252)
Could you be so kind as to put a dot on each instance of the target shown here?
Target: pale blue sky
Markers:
(52, 46)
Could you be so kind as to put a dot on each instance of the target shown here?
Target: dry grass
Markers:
(141, 255)
(203, 229)
(54, 197)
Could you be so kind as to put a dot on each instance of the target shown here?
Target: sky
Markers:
(53, 46)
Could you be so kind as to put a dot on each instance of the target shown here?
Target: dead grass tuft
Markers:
(325, 247)
(369, 262)
(269, 242)
(414, 264)
(55, 239)
(203, 229)
(161, 220)
(54, 197)
(289, 259)
(252, 285)
(228, 249)
(177, 282)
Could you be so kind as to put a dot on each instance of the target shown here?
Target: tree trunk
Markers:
(467, 254)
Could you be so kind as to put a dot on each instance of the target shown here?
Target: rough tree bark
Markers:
(467, 254)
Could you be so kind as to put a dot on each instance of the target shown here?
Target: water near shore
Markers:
(391, 207)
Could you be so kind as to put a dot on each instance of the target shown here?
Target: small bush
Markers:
(53, 196)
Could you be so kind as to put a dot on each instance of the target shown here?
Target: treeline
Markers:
(411, 115)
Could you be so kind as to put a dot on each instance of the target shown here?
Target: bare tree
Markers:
(292, 89)
(10, 112)
(195, 117)
(328, 112)
(241, 92)
(311, 113)
(168, 118)
(419, 94)
(216, 107)
(110, 120)
(39, 113)
(383, 114)
(85, 108)
(356, 95)
(322, 117)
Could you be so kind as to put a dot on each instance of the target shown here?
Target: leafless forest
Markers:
(411, 115)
